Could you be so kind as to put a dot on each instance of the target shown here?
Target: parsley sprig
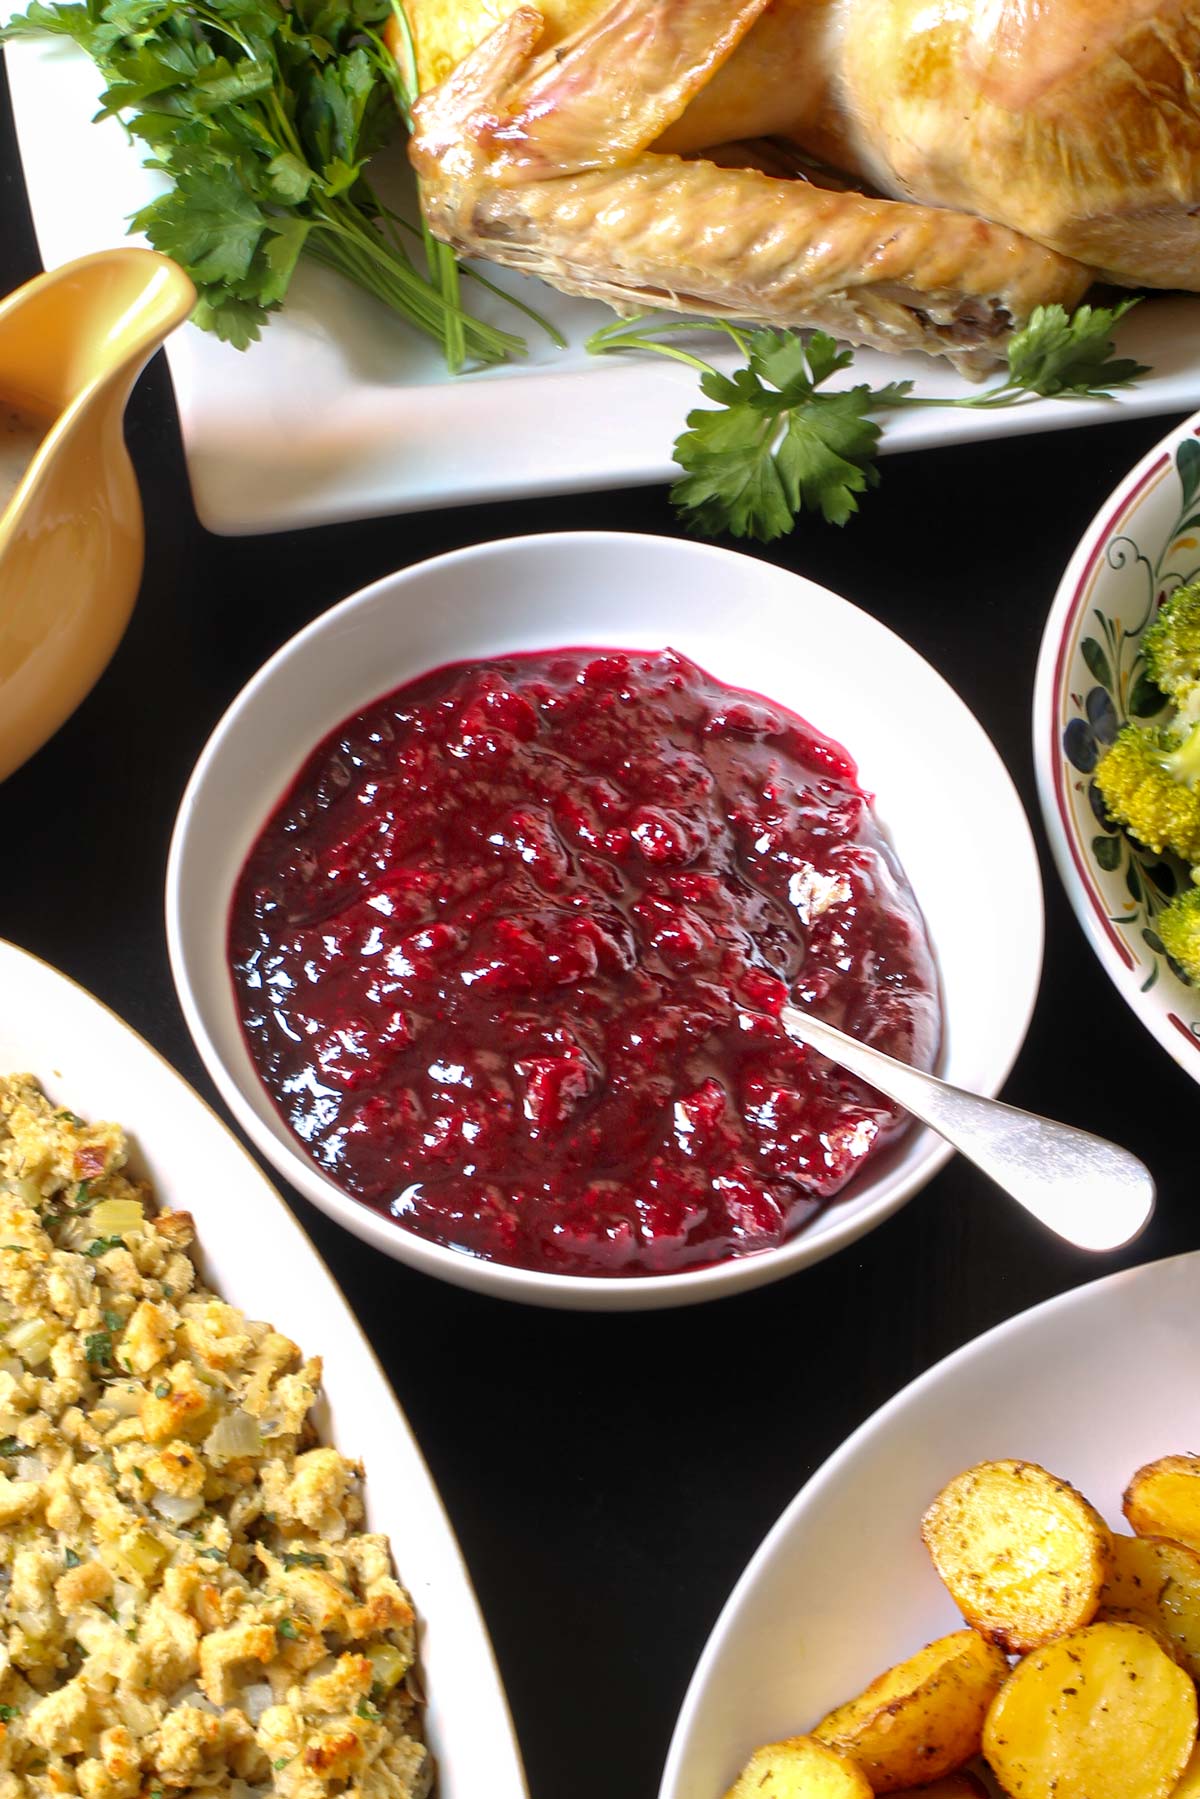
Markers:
(780, 442)
(264, 114)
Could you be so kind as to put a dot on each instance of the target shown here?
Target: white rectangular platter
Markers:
(342, 412)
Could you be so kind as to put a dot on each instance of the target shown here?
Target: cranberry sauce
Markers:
(508, 958)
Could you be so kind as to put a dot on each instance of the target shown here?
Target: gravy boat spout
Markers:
(72, 344)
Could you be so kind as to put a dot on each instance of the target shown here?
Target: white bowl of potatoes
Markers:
(992, 1588)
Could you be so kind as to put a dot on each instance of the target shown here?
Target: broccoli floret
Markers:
(1171, 644)
(1179, 927)
(1148, 779)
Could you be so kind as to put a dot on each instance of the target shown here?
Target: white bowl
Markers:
(1141, 544)
(1092, 1385)
(256, 1256)
(943, 796)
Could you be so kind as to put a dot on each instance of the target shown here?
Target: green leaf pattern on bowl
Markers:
(1110, 687)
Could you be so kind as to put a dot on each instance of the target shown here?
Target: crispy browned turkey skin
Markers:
(1009, 152)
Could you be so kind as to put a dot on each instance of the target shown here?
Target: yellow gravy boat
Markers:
(72, 344)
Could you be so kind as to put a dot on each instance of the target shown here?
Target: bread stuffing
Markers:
(188, 1600)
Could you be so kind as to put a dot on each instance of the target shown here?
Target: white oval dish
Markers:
(1092, 1385)
(256, 1256)
(1141, 545)
(943, 796)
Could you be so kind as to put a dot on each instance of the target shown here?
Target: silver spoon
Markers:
(1088, 1190)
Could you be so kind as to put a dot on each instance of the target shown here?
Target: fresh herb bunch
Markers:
(264, 115)
(780, 442)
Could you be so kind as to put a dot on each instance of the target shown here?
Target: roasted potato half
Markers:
(800, 1768)
(923, 1718)
(1103, 1713)
(1156, 1583)
(1025, 1557)
(1163, 1500)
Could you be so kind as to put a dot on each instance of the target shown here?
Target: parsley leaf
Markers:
(777, 446)
(826, 453)
(209, 224)
(97, 1347)
(1059, 353)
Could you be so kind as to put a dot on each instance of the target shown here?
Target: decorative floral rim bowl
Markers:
(1091, 679)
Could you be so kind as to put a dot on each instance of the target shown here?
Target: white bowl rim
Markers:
(363, 1343)
(1053, 661)
(830, 1472)
(585, 1292)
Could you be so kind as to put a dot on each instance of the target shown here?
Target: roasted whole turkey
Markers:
(913, 174)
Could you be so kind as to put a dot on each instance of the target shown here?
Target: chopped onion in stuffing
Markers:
(254, 1700)
(235, 1434)
(176, 1509)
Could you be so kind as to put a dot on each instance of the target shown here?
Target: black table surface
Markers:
(609, 1475)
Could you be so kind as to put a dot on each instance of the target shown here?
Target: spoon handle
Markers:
(1088, 1190)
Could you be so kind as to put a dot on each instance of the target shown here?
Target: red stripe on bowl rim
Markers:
(1081, 596)
(1186, 1029)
